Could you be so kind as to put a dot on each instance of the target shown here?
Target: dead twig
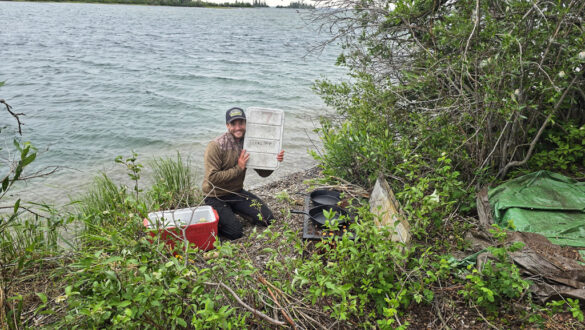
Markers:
(486, 321)
(15, 115)
(440, 315)
(288, 319)
(246, 306)
(26, 209)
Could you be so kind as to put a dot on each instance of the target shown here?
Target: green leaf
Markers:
(5, 183)
(42, 296)
(112, 260)
(181, 322)
(16, 205)
(124, 303)
(29, 159)
(17, 172)
(111, 274)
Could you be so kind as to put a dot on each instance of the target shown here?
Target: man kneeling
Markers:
(225, 171)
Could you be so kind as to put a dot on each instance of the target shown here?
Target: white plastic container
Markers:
(181, 217)
(264, 129)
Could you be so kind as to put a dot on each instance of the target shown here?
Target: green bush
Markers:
(29, 242)
(133, 283)
(569, 305)
(123, 278)
(563, 150)
(482, 85)
(369, 278)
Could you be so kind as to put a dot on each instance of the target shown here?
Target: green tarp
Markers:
(542, 202)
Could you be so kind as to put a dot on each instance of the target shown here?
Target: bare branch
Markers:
(246, 306)
(15, 115)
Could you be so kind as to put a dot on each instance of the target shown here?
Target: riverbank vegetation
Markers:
(445, 98)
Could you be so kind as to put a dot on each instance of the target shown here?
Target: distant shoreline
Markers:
(170, 3)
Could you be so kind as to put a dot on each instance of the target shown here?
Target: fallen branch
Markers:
(246, 306)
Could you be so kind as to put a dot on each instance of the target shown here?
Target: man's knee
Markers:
(232, 229)
(231, 235)
(228, 226)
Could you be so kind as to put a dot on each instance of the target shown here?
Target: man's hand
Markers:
(243, 159)
(280, 156)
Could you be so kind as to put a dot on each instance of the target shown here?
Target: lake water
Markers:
(97, 81)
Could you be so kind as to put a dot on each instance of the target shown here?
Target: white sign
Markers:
(263, 137)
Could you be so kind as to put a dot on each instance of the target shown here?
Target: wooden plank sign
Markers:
(386, 207)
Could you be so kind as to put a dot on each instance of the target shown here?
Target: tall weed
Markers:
(174, 184)
(104, 204)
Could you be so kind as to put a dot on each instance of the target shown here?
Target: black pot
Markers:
(317, 214)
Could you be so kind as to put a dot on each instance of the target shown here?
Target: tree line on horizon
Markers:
(189, 3)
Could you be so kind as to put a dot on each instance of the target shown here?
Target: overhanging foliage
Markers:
(480, 80)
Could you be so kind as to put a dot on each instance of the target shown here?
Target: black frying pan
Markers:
(316, 214)
(325, 197)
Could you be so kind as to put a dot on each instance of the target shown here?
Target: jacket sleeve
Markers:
(213, 167)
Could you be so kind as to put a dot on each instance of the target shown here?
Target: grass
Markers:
(104, 200)
(174, 184)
